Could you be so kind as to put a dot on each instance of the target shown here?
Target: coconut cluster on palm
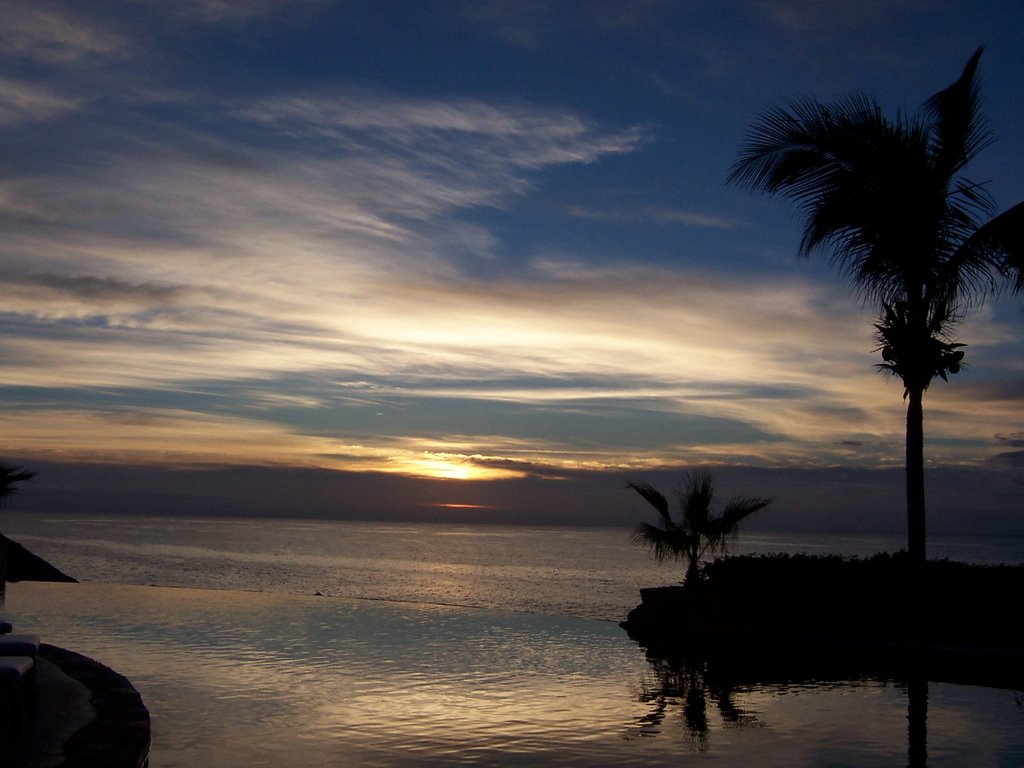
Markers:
(887, 200)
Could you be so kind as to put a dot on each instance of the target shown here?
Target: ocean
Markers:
(583, 572)
(438, 645)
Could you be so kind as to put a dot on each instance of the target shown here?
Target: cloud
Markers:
(443, 135)
(315, 278)
(624, 347)
(101, 291)
(656, 215)
(19, 203)
(21, 101)
(1014, 439)
(801, 17)
(53, 33)
(229, 222)
(266, 271)
(232, 12)
(375, 185)
(643, 377)
(1009, 459)
(155, 436)
(531, 24)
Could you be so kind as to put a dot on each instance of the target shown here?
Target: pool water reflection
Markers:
(255, 679)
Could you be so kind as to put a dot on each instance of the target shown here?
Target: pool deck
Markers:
(86, 715)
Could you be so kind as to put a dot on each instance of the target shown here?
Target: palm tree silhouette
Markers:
(697, 532)
(886, 199)
(9, 479)
(692, 682)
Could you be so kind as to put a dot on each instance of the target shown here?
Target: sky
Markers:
(382, 245)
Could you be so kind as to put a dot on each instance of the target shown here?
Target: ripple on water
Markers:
(248, 679)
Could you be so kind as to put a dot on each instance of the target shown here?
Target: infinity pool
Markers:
(256, 679)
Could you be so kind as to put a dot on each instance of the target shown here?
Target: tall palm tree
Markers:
(887, 201)
(696, 532)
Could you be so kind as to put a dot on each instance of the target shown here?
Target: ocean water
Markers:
(583, 572)
(452, 645)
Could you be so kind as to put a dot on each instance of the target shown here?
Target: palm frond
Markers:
(655, 499)
(673, 544)
(741, 508)
(998, 244)
(695, 498)
(794, 149)
(958, 132)
(9, 479)
(725, 528)
(886, 201)
(863, 184)
(882, 196)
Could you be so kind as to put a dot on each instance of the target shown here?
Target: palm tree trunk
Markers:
(917, 721)
(915, 488)
(693, 577)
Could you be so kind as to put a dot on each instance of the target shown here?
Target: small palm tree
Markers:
(9, 479)
(697, 532)
(888, 201)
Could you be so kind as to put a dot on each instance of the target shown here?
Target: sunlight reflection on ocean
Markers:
(272, 676)
(585, 572)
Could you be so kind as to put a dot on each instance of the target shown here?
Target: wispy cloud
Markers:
(422, 342)
(655, 215)
(450, 136)
(801, 17)
(329, 276)
(22, 101)
(153, 436)
(177, 268)
(233, 12)
(1014, 439)
(531, 24)
(55, 33)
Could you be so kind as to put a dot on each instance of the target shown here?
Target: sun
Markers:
(450, 466)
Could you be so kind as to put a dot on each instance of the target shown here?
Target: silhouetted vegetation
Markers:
(795, 610)
(23, 565)
(692, 684)
(697, 532)
(688, 683)
(10, 477)
(887, 201)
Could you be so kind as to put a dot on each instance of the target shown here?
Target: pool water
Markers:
(260, 679)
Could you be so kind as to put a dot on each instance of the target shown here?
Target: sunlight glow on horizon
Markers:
(471, 281)
(464, 506)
